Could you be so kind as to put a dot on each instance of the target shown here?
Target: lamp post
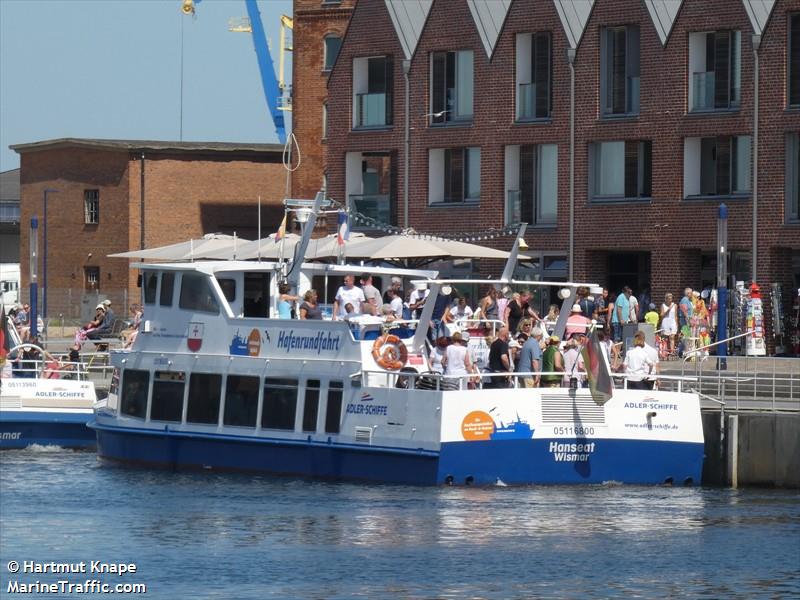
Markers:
(34, 270)
(44, 257)
(722, 283)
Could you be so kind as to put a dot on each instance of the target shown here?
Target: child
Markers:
(652, 316)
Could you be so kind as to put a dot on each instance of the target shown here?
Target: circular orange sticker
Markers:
(477, 425)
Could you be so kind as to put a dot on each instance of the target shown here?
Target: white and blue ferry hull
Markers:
(454, 440)
(20, 429)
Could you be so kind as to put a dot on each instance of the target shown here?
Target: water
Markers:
(210, 535)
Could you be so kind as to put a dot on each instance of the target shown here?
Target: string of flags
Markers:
(362, 219)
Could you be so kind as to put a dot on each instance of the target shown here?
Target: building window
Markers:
(91, 278)
(372, 91)
(91, 207)
(794, 60)
(332, 45)
(620, 170)
(716, 166)
(451, 86)
(793, 177)
(532, 184)
(454, 175)
(715, 70)
(534, 60)
(619, 70)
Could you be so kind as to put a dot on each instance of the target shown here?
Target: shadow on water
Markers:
(204, 534)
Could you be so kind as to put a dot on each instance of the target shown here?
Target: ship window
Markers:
(256, 295)
(311, 405)
(228, 287)
(167, 403)
(196, 294)
(334, 415)
(280, 403)
(150, 285)
(241, 401)
(204, 394)
(167, 288)
(134, 393)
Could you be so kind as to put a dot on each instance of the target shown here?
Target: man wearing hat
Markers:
(576, 323)
(109, 313)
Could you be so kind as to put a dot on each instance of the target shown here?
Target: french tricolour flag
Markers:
(343, 233)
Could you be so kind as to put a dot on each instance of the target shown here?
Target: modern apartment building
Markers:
(614, 128)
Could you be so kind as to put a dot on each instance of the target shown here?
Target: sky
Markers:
(112, 69)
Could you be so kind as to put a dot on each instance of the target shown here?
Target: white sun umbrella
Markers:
(391, 247)
(328, 246)
(212, 245)
(266, 248)
(467, 250)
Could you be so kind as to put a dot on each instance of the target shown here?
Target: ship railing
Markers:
(410, 378)
(45, 366)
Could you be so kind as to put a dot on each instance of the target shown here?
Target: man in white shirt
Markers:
(638, 364)
(461, 311)
(652, 354)
(347, 294)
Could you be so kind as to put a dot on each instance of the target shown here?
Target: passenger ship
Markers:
(216, 381)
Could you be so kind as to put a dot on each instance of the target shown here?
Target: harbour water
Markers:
(212, 535)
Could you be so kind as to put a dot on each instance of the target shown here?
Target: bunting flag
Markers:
(598, 371)
(343, 233)
(281, 233)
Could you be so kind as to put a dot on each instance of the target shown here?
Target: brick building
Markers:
(109, 196)
(664, 113)
(319, 26)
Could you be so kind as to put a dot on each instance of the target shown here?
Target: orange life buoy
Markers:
(389, 352)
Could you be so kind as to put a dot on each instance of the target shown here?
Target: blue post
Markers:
(34, 286)
(722, 283)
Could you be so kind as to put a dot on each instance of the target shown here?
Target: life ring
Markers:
(389, 352)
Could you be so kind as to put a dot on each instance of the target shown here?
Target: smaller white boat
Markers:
(46, 403)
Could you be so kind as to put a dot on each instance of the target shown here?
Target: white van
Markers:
(9, 284)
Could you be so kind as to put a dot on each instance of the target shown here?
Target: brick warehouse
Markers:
(319, 27)
(186, 189)
(664, 114)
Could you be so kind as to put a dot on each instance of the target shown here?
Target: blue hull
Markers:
(480, 463)
(23, 429)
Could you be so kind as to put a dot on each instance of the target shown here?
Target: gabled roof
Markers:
(489, 16)
(408, 18)
(663, 13)
(574, 15)
(758, 11)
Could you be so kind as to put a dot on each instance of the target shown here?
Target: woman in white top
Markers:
(669, 321)
(438, 354)
(456, 360)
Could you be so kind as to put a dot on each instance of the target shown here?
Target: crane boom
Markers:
(265, 66)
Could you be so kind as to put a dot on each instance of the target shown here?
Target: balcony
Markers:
(703, 94)
(513, 207)
(526, 101)
(371, 110)
(373, 206)
(9, 212)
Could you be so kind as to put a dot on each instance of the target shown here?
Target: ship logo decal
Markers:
(194, 338)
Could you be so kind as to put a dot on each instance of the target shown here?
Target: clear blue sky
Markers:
(111, 69)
